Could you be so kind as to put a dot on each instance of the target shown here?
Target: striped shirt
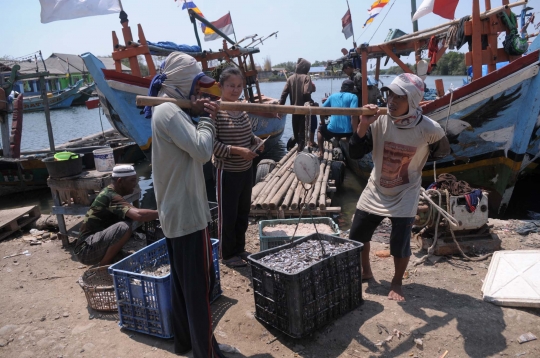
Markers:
(232, 131)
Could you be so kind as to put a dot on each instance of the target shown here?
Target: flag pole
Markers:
(234, 32)
(192, 19)
(352, 27)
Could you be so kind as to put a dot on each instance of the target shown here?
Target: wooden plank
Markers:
(12, 220)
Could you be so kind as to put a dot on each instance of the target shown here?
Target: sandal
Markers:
(234, 262)
(244, 255)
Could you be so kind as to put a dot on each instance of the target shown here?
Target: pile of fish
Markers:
(304, 255)
(160, 271)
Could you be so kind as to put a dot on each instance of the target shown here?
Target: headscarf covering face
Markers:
(412, 86)
(177, 78)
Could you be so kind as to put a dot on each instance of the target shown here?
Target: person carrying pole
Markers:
(401, 143)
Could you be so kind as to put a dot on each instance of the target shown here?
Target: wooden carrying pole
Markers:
(268, 108)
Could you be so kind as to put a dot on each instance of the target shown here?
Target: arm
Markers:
(285, 93)
(142, 215)
(358, 147)
(198, 141)
(439, 149)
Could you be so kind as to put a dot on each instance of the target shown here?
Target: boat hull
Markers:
(493, 127)
(117, 96)
(60, 100)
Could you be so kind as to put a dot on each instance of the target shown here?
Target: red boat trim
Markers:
(126, 78)
(483, 82)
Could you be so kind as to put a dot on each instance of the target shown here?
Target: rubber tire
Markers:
(291, 143)
(263, 168)
(337, 173)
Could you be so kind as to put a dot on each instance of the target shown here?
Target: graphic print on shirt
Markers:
(395, 164)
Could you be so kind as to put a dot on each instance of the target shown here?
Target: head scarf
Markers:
(177, 79)
(412, 86)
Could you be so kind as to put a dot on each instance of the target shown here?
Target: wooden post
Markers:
(47, 113)
(147, 56)
(4, 125)
(476, 40)
(364, 77)
(378, 69)
(439, 85)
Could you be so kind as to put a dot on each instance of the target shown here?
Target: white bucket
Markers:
(104, 159)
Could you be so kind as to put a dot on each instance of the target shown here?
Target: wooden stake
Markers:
(290, 193)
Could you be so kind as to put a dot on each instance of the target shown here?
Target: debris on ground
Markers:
(382, 253)
(419, 342)
(527, 337)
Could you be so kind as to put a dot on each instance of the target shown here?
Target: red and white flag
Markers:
(443, 8)
(223, 24)
(346, 22)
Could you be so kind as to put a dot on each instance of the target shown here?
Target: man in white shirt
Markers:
(400, 142)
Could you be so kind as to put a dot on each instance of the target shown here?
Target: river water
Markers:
(78, 122)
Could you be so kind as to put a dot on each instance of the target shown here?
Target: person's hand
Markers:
(197, 105)
(367, 120)
(246, 153)
(212, 109)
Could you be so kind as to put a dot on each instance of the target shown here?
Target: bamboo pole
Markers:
(322, 196)
(281, 192)
(296, 198)
(290, 194)
(266, 192)
(315, 195)
(268, 108)
(274, 190)
(257, 189)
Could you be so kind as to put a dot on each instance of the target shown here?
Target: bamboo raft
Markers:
(280, 194)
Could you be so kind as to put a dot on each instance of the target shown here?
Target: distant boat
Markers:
(61, 99)
(85, 92)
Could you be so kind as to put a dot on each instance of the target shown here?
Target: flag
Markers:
(443, 8)
(191, 5)
(346, 23)
(375, 10)
(54, 10)
(224, 24)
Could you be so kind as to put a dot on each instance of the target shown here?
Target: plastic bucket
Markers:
(104, 159)
(65, 156)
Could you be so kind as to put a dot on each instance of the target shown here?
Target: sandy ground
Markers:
(45, 314)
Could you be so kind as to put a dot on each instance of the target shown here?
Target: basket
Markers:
(144, 302)
(298, 304)
(269, 242)
(155, 233)
(98, 287)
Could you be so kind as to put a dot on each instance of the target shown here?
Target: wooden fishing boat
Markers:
(492, 123)
(62, 99)
(117, 90)
(85, 92)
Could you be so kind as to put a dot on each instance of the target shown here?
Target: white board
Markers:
(513, 279)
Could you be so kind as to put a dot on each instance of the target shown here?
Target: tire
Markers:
(337, 173)
(263, 168)
(291, 143)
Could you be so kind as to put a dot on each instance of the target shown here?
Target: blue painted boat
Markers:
(117, 93)
(62, 99)
(492, 123)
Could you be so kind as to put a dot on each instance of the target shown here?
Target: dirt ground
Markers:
(44, 311)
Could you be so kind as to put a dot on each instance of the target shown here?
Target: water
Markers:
(76, 122)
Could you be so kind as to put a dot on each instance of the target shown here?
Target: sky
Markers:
(309, 29)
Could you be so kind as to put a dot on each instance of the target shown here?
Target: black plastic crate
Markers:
(155, 233)
(298, 304)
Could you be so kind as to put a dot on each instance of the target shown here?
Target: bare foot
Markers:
(396, 293)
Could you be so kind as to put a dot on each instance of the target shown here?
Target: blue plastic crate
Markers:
(144, 302)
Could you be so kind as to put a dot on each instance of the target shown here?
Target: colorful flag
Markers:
(443, 8)
(375, 10)
(224, 24)
(346, 23)
(54, 10)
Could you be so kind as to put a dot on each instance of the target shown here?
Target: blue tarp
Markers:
(172, 46)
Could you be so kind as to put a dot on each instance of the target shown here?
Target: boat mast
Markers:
(413, 11)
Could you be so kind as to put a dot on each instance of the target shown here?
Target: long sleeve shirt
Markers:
(179, 150)
(232, 131)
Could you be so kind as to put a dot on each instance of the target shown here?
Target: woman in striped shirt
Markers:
(233, 157)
